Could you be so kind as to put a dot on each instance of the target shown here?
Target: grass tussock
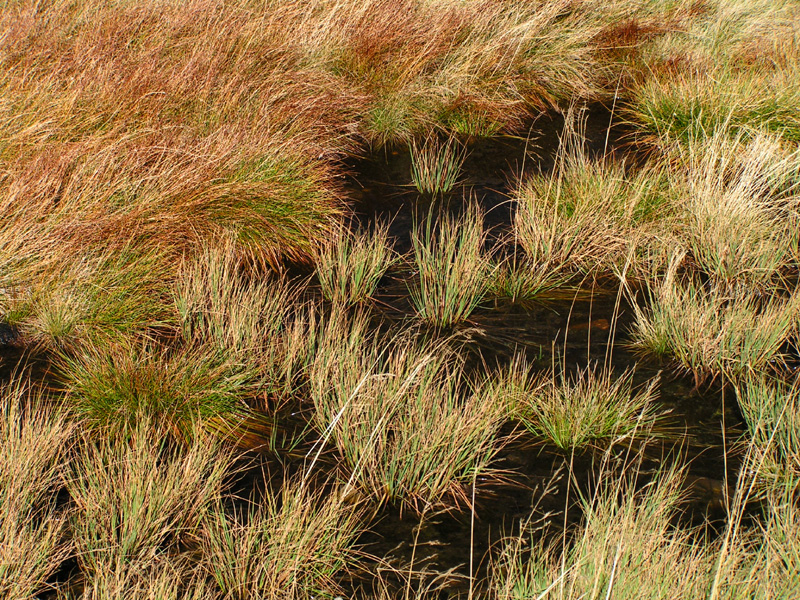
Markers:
(35, 449)
(587, 214)
(436, 166)
(771, 411)
(739, 210)
(453, 266)
(97, 299)
(571, 411)
(625, 547)
(222, 303)
(137, 502)
(114, 388)
(709, 334)
(289, 545)
(351, 264)
(406, 430)
(258, 325)
(731, 62)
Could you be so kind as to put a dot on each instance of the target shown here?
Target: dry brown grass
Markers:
(35, 448)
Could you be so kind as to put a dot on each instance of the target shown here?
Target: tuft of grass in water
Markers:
(436, 165)
(738, 210)
(454, 269)
(289, 544)
(771, 410)
(710, 334)
(572, 411)
(35, 446)
(138, 501)
(408, 430)
(520, 280)
(115, 387)
(587, 214)
(351, 264)
(626, 547)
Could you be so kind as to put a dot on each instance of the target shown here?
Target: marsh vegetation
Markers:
(421, 298)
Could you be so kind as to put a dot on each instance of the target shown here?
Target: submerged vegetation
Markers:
(298, 299)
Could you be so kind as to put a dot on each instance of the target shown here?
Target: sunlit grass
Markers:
(626, 547)
(452, 265)
(407, 428)
(588, 213)
(739, 209)
(114, 388)
(290, 544)
(35, 449)
(350, 265)
(436, 166)
(710, 334)
(138, 500)
(593, 405)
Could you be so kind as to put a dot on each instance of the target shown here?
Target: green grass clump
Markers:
(351, 264)
(626, 547)
(572, 411)
(587, 214)
(690, 105)
(454, 269)
(279, 205)
(711, 334)
(35, 446)
(406, 430)
(771, 410)
(436, 166)
(737, 218)
(115, 387)
(288, 545)
(138, 501)
(102, 297)
(520, 280)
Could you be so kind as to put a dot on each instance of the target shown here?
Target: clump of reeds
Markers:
(453, 266)
(407, 427)
(138, 500)
(436, 165)
(771, 410)
(571, 411)
(519, 280)
(710, 334)
(739, 212)
(35, 448)
(351, 263)
(625, 546)
(290, 544)
(582, 216)
(115, 387)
